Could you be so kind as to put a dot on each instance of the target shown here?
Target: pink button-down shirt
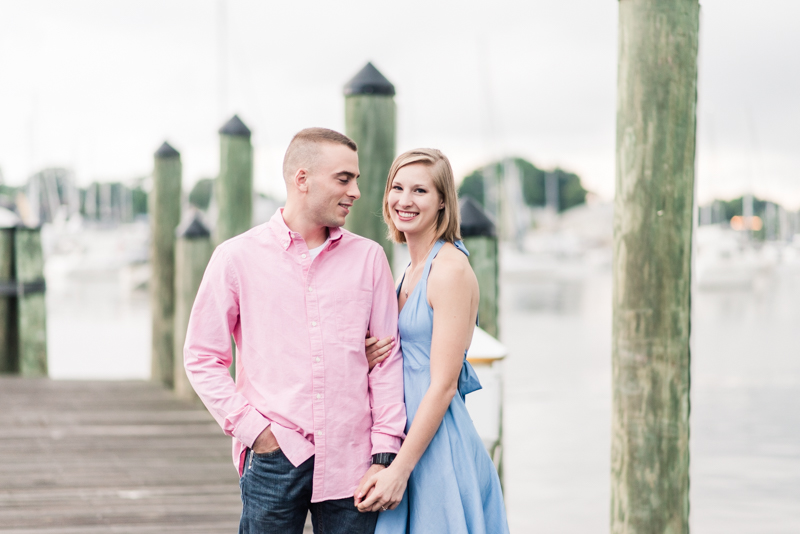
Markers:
(299, 327)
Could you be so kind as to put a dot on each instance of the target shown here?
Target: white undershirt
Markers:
(316, 250)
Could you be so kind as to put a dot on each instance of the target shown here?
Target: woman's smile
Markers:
(406, 215)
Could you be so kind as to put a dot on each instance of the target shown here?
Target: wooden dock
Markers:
(84, 457)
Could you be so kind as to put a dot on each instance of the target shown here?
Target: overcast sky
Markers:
(98, 85)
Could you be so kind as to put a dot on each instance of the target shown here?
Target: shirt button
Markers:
(319, 432)
(316, 359)
(303, 256)
(310, 289)
(313, 323)
(319, 396)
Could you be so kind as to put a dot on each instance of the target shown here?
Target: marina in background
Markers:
(555, 313)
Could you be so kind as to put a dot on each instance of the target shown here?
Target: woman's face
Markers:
(414, 202)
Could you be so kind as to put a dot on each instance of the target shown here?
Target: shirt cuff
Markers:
(251, 426)
(389, 421)
(385, 443)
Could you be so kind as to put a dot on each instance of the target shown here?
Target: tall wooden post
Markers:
(234, 187)
(192, 253)
(656, 100)
(9, 357)
(31, 309)
(370, 121)
(480, 237)
(165, 212)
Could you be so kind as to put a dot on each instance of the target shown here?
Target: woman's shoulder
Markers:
(450, 263)
(451, 278)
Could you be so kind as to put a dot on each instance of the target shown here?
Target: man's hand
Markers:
(359, 496)
(265, 442)
(377, 350)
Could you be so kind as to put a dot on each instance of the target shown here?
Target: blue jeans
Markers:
(276, 497)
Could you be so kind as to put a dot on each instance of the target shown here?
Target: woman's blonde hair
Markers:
(448, 224)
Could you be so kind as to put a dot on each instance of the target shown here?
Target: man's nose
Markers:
(353, 191)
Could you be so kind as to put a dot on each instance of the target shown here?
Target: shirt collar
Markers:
(285, 234)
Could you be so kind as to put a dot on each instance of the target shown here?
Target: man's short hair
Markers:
(304, 148)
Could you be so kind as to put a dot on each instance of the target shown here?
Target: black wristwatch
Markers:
(383, 458)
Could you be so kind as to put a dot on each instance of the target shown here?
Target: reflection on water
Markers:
(97, 328)
(556, 322)
(746, 407)
(560, 297)
(745, 430)
(557, 429)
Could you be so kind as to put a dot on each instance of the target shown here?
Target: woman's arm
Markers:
(453, 295)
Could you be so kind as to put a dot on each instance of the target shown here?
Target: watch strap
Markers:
(383, 458)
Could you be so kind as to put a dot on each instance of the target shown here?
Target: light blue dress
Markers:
(454, 488)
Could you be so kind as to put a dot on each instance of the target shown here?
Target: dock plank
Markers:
(122, 457)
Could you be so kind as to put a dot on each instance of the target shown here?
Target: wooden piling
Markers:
(165, 209)
(370, 121)
(480, 237)
(656, 101)
(192, 252)
(234, 186)
(31, 309)
(9, 355)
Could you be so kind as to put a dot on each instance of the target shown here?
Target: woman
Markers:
(442, 480)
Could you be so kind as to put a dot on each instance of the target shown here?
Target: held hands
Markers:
(377, 350)
(382, 490)
(360, 493)
(265, 442)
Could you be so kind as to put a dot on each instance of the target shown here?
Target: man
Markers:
(298, 294)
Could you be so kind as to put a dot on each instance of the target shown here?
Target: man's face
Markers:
(332, 185)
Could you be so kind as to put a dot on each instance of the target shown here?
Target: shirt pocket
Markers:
(352, 315)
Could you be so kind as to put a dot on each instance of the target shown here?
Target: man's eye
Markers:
(344, 180)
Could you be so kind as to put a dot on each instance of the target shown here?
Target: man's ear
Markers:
(301, 180)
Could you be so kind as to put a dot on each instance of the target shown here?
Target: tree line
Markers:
(570, 190)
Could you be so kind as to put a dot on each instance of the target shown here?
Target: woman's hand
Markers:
(377, 350)
(387, 488)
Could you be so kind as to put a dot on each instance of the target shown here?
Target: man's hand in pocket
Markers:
(265, 442)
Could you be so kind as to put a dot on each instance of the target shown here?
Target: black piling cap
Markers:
(369, 81)
(474, 221)
(192, 227)
(166, 151)
(235, 126)
(21, 226)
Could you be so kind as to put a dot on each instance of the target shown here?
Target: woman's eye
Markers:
(421, 191)
(397, 188)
